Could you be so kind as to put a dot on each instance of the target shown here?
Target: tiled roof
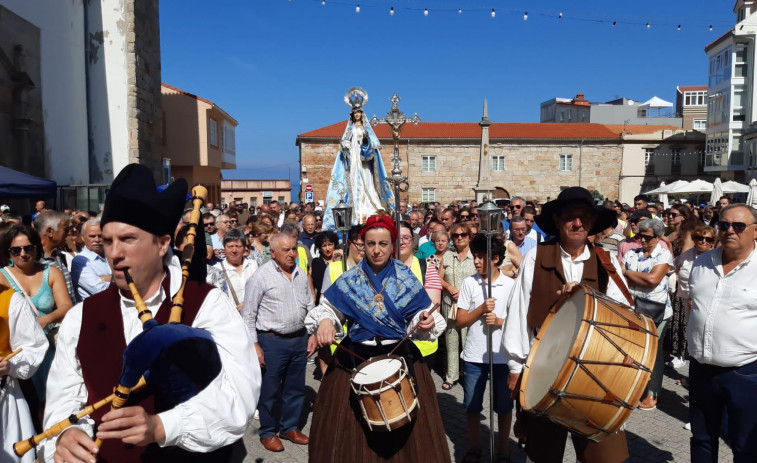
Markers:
(471, 130)
(192, 95)
(462, 130)
(639, 129)
(714, 42)
(691, 88)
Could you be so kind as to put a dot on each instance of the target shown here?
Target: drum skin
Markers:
(589, 364)
(394, 395)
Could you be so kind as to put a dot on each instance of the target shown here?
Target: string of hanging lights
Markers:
(560, 15)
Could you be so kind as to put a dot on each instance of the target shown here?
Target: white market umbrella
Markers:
(696, 186)
(717, 192)
(665, 189)
(752, 198)
(656, 103)
(735, 187)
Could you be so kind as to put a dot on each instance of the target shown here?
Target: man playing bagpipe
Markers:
(137, 224)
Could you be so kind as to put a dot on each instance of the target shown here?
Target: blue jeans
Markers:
(285, 360)
(474, 380)
(714, 390)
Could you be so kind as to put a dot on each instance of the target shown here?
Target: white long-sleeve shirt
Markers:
(217, 416)
(518, 336)
(723, 321)
(15, 419)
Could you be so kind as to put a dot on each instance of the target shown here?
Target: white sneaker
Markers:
(256, 415)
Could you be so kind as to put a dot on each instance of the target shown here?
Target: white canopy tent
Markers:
(665, 189)
(717, 192)
(735, 187)
(696, 186)
(656, 103)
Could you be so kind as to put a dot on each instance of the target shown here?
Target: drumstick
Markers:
(433, 309)
(339, 346)
(12, 354)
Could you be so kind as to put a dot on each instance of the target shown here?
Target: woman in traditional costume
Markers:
(18, 329)
(358, 176)
(381, 300)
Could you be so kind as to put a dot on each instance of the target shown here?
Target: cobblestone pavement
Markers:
(653, 436)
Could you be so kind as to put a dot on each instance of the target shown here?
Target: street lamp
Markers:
(490, 223)
(342, 219)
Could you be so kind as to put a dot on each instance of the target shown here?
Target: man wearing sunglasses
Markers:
(722, 342)
(515, 208)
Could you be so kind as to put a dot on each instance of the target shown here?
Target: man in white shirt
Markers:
(555, 268)
(137, 223)
(89, 269)
(722, 342)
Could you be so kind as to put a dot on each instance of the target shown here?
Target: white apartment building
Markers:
(731, 97)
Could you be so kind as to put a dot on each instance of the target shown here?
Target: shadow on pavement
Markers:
(642, 450)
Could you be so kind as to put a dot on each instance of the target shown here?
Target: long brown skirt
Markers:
(338, 432)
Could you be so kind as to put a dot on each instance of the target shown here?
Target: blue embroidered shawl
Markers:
(403, 293)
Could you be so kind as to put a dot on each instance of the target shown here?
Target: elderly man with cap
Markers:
(557, 267)
(137, 223)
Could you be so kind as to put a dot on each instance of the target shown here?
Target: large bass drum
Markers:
(589, 365)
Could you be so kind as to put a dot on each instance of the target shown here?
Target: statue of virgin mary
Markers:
(358, 176)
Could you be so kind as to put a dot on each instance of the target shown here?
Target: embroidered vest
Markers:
(100, 352)
(549, 278)
(5, 332)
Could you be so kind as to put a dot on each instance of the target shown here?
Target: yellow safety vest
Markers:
(426, 347)
(302, 258)
(335, 271)
(5, 332)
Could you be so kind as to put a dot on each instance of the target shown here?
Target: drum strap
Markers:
(604, 258)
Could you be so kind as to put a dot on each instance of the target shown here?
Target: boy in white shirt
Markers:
(479, 313)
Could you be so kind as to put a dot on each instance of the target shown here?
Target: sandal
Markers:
(447, 385)
(472, 456)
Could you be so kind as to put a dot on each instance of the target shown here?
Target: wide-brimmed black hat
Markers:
(134, 199)
(606, 218)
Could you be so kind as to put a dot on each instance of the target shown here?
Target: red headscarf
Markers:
(380, 221)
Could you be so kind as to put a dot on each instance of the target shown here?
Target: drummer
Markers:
(557, 267)
(381, 300)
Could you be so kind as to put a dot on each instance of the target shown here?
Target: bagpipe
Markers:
(176, 361)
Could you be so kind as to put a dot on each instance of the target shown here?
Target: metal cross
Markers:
(395, 119)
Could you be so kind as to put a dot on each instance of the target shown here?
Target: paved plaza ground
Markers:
(653, 436)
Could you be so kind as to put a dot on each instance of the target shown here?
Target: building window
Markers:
(648, 154)
(429, 163)
(213, 132)
(428, 195)
(566, 162)
(676, 161)
(498, 163)
(281, 199)
(229, 143)
(700, 124)
(700, 159)
(694, 98)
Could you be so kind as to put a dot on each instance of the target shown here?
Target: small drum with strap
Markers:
(590, 363)
(386, 392)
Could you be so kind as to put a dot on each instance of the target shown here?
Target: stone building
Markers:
(447, 161)
(256, 192)
(85, 94)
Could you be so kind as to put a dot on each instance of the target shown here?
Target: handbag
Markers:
(453, 309)
(652, 309)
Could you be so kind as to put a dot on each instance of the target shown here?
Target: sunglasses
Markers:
(670, 214)
(708, 239)
(634, 220)
(738, 227)
(16, 250)
(464, 216)
(211, 224)
(646, 237)
(517, 207)
(459, 235)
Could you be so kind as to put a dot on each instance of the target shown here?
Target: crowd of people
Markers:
(277, 289)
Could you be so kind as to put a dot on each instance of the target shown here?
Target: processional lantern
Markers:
(489, 219)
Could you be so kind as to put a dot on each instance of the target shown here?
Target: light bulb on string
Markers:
(493, 13)
(323, 2)
(460, 10)
(425, 12)
(391, 11)
(648, 26)
(614, 23)
(357, 8)
(710, 28)
(559, 16)
(525, 16)
(679, 27)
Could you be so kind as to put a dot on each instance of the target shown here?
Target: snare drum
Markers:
(385, 392)
(589, 365)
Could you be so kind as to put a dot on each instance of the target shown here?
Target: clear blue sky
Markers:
(282, 67)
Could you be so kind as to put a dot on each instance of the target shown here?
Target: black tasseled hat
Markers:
(134, 199)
